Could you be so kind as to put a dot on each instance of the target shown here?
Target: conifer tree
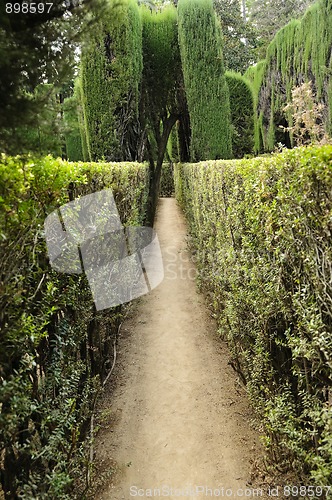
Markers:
(200, 40)
(111, 72)
(242, 113)
(162, 101)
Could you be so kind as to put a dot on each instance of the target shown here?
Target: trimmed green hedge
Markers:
(167, 180)
(54, 346)
(72, 130)
(111, 70)
(161, 59)
(262, 229)
(200, 40)
(242, 113)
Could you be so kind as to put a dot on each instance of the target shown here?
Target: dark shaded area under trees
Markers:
(36, 49)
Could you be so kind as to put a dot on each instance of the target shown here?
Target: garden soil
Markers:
(175, 417)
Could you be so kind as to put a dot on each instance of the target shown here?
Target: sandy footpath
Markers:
(175, 415)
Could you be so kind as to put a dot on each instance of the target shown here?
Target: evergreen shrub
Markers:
(262, 230)
(242, 114)
(55, 349)
(167, 180)
(111, 70)
(200, 40)
(72, 130)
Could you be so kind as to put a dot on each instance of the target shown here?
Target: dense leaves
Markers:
(200, 40)
(54, 346)
(167, 180)
(239, 36)
(300, 52)
(242, 113)
(262, 230)
(34, 49)
(163, 100)
(111, 73)
(72, 129)
(44, 134)
(268, 16)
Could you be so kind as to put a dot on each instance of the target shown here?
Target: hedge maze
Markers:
(153, 110)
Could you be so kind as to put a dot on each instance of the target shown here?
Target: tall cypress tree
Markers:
(111, 73)
(242, 113)
(200, 40)
(162, 90)
(72, 131)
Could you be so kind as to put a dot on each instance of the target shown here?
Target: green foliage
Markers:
(43, 134)
(200, 40)
(54, 346)
(238, 34)
(72, 129)
(161, 59)
(167, 180)
(161, 70)
(268, 16)
(36, 49)
(262, 231)
(242, 113)
(78, 94)
(163, 100)
(255, 75)
(111, 73)
(299, 52)
(173, 145)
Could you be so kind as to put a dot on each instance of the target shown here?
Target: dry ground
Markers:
(175, 414)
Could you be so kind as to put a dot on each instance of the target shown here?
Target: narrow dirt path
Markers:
(177, 416)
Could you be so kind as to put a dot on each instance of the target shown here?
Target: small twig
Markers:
(114, 359)
(34, 248)
(39, 285)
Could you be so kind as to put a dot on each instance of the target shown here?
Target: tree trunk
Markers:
(155, 170)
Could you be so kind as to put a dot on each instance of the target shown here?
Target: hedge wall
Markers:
(242, 113)
(299, 52)
(167, 180)
(262, 229)
(54, 346)
(72, 130)
(111, 69)
(200, 40)
(161, 57)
